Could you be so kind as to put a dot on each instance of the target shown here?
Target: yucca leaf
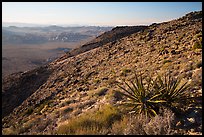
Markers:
(129, 96)
(152, 110)
(138, 84)
(142, 87)
(157, 101)
(132, 90)
(135, 109)
(136, 103)
(155, 96)
(145, 112)
(173, 87)
(181, 89)
(125, 90)
(136, 89)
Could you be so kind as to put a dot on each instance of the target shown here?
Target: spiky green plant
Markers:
(141, 99)
(167, 92)
(174, 92)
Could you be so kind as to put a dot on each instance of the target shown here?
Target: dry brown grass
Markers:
(97, 122)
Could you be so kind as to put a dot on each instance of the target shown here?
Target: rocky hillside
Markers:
(39, 101)
(110, 36)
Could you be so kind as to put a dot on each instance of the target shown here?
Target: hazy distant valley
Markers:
(25, 48)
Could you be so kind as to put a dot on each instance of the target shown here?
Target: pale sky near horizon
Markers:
(96, 13)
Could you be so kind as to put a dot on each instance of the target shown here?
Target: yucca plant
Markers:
(174, 93)
(141, 99)
(167, 92)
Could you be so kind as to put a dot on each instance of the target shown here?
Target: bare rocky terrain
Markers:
(40, 100)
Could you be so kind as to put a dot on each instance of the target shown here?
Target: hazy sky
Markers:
(96, 13)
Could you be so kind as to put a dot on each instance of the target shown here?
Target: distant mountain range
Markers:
(18, 24)
(53, 33)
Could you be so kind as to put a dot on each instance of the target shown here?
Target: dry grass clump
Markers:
(9, 131)
(91, 122)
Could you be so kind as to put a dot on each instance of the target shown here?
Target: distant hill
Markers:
(36, 35)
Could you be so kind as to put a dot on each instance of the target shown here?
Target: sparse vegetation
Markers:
(96, 80)
(68, 109)
(28, 111)
(91, 122)
(199, 64)
(99, 92)
(197, 45)
(166, 61)
(9, 131)
(162, 124)
(125, 71)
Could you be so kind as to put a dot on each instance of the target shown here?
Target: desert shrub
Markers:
(143, 125)
(98, 92)
(166, 61)
(160, 92)
(199, 64)
(9, 131)
(119, 127)
(30, 124)
(101, 91)
(199, 35)
(125, 71)
(111, 81)
(68, 109)
(28, 111)
(116, 95)
(96, 81)
(161, 124)
(197, 45)
(43, 105)
(107, 115)
(91, 122)
(137, 53)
